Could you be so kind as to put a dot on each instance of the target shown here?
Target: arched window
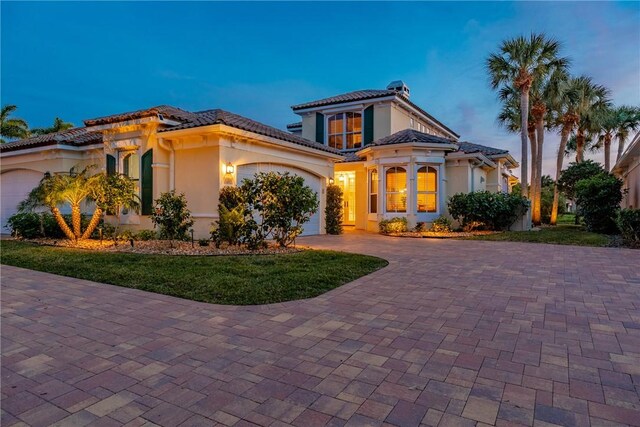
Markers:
(345, 131)
(427, 196)
(396, 189)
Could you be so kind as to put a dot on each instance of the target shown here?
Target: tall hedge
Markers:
(333, 210)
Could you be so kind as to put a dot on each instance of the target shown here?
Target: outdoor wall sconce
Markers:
(330, 181)
(229, 168)
(228, 174)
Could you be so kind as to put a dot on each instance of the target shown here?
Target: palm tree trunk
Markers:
(537, 195)
(62, 224)
(564, 137)
(95, 220)
(76, 220)
(580, 146)
(620, 148)
(607, 152)
(524, 146)
(533, 141)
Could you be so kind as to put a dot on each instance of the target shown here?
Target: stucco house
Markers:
(390, 156)
(627, 168)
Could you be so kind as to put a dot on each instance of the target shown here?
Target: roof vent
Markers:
(400, 87)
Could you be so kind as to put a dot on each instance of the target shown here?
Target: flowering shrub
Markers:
(442, 224)
(393, 225)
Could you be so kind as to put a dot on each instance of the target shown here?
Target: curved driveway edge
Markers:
(450, 333)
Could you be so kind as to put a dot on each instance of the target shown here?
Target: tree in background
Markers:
(58, 125)
(113, 194)
(12, 127)
(629, 122)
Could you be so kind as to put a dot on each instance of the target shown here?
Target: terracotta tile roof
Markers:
(73, 137)
(358, 95)
(167, 111)
(363, 95)
(218, 116)
(410, 135)
(468, 148)
(296, 125)
(351, 157)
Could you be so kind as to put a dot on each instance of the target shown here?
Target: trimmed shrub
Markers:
(203, 242)
(144, 235)
(629, 225)
(28, 225)
(394, 225)
(442, 224)
(333, 210)
(487, 210)
(420, 227)
(599, 200)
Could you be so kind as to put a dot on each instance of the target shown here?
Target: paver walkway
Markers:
(450, 333)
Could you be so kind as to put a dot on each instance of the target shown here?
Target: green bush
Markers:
(394, 225)
(127, 235)
(420, 227)
(230, 226)
(576, 172)
(144, 235)
(442, 224)
(487, 210)
(32, 225)
(203, 242)
(333, 210)
(599, 200)
(172, 216)
(279, 204)
(629, 225)
(27, 225)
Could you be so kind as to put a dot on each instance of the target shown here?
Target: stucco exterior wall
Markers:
(381, 120)
(309, 126)
(631, 182)
(458, 178)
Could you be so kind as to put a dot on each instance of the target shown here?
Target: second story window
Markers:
(345, 131)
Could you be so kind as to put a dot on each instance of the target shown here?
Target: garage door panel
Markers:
(248, 172)
(14, 188)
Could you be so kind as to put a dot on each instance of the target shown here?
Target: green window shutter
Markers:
(368, 125)
(111, 165)
(320, 128)
(147, 183)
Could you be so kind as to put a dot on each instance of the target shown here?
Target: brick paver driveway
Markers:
(450, 333)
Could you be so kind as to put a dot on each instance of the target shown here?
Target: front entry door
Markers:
(347, 181)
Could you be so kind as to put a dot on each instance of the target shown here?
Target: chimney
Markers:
(400, 87)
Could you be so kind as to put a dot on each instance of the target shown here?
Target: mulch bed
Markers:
(441, 235)
(161, 247)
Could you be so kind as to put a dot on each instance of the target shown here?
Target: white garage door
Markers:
(248, 172)
(14, 188)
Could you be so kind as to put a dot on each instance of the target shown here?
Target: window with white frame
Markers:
(131, 166)
(373, 191)
(345, 130)
(396, 189)
(427, 189)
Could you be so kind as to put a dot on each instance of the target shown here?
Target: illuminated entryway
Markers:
(347, 181)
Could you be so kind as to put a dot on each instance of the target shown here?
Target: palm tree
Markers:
(58, 125)
(592, 100)
(521, 62)
(12, 128)
(562, 101)
(629, 122)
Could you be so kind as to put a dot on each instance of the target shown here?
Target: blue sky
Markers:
(83, 60)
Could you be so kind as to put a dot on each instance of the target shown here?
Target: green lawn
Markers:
(560, 235)
(240, 280)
